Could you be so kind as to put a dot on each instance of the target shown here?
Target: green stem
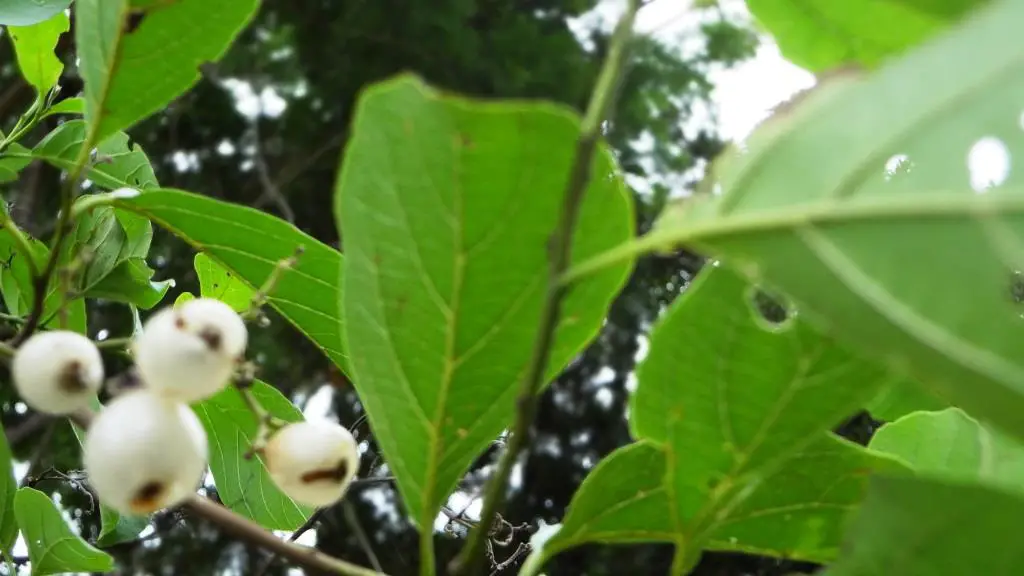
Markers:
(428, 562)
(21, 242)
(114, 343)
(41, 280)
(601, 104)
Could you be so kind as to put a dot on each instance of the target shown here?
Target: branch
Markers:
(253, 533)
(601, 103)
(41, 281)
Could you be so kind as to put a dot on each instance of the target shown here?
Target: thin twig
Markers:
(308, 525)
(17, 434)
(357, 528)
(605, 93)
(253, 533)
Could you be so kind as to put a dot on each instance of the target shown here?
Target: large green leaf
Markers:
(822, 34)
(924, 527)
(243, 484)
(445, 206)
(902, 398)
(740, 407)
(134, 61)
(951, 444)
(250, 243)
(216, 282)
(34, 46)
(28, 12)
(8, 487)
(53, 548)
(871, 255)
(797, 512)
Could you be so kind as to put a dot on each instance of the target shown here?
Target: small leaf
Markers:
(216, 282)
(862, 244)
(29, 12)
(16, 286)
(902, 398)
(117, 529)
(243, 484)
(124, 83)
(12, 161)
(447, 206)
(74, 106)
(53, 548)
(184, 297)
(823, 35)
(951, 444)
(118, 163)
(250, 243)
(131, 282)
(923, 527)
(8, 487)
(34, 47)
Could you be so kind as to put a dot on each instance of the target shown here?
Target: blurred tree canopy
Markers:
(299, 69)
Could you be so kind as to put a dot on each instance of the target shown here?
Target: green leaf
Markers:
(446, 206)
(801, 510)
(741, 409)
(16, 286)
(902, 398)
(798, 512)
(820, 35)
(924, 527)
(34, 47)
(865, 253)
(8, 487)
(116, 529)
(243, 484)
(53, 548)
(28, 12)
(951, 444)
(74, 106)
(184, 297)
(131, 282)
(250, 243)
(216, 282)
(124, 83)
(118, 165)
(12, 161)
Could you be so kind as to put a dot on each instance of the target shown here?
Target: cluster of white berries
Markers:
(146, 450)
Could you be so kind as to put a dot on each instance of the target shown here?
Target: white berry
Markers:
(57, 372)
(313, 463)
(188, 352)
(144, 452)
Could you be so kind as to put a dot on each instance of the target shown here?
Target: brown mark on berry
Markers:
(336, 474)
(211, 336)
(179, 321)
(70, 379)
(147, 498)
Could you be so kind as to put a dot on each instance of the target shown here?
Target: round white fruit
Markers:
(143, 453)
(189, 352)
(312, 462)
(57, 372)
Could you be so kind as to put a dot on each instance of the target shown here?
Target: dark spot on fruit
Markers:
(336, 474)
(211, 336)
(71, 378)
(179, 322)
(147, 498)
